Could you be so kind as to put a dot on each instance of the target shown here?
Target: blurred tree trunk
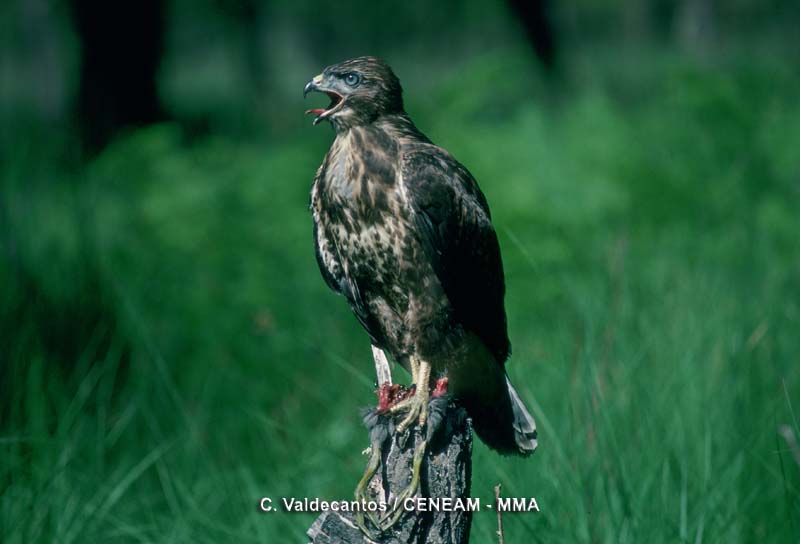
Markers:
(250, 20)
(695, 25)
(636, 21)
(536, 18)
(662, 14)
(121, 45)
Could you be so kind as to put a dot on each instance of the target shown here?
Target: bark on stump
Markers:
(446, 472)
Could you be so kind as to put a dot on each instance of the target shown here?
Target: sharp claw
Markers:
(417, 407)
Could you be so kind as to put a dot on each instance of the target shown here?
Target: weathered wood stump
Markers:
(445, 473)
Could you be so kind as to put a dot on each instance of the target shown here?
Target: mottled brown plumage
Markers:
(403, 232)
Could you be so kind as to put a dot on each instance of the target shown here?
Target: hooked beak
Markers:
(316, 84)
(310, 86)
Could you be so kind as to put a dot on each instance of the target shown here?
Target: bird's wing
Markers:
(454, 224)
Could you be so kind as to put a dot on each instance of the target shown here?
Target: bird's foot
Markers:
(417, 407)
(390, 395)
(417, 404)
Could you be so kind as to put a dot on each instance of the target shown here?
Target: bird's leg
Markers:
(416, 405)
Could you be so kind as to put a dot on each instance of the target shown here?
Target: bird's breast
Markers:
(364, 208)
(374, 249)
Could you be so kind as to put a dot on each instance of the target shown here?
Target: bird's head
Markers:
(360, 89)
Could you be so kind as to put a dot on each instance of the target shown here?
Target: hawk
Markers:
(404, 233)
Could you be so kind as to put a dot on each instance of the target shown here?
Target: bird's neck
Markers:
(401, 126)
(398, 125)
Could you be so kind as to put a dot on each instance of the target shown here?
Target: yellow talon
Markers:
(416, 405)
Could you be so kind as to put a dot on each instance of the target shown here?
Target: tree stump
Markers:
(446, 472)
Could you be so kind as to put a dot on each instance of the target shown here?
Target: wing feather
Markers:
(454, 225)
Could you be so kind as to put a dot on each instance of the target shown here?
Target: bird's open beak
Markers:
(317, 85)
(312, 85)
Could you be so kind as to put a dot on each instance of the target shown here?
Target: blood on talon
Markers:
(389, 395)
(384, 395)
(441, 387)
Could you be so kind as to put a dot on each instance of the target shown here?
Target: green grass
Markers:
(171, 355)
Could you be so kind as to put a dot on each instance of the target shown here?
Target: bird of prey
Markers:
(403, 232)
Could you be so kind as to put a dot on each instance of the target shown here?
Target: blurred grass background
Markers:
(170, 353)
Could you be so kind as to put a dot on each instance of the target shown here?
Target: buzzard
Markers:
(403, 232)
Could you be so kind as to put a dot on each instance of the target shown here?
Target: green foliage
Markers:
(653, 297)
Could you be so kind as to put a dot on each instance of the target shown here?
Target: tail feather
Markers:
(498, 414)
(525, 433)
(501, 420)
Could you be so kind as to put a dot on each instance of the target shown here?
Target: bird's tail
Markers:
(502, 421)
(524, 426)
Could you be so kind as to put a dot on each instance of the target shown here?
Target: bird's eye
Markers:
(352, 79)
